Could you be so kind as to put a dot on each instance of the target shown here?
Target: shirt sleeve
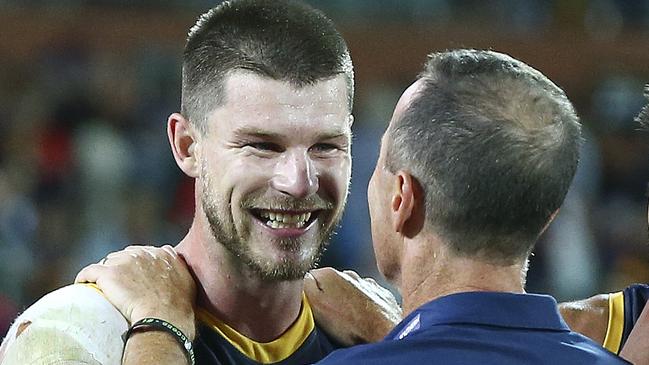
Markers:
(624, 309)
(72, 325)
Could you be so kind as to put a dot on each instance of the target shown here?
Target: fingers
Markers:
(165, 255)
(90, 273)
(353, 274)
(311, 284)
(325, 274)
(170, 250)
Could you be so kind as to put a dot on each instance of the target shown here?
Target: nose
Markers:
(295, 175)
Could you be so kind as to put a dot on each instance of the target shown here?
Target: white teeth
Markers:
(280, 220)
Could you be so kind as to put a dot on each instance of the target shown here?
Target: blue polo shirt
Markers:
(481, 328)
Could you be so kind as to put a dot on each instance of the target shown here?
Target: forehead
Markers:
(254, 101)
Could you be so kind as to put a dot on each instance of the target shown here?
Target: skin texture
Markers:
(367, 313)
(284, 150)
(588, 317)
(635, 349)
(153, 299)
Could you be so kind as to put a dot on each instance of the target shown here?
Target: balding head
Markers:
(494, 145)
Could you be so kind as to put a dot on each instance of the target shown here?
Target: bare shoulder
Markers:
(71, 325)
(588, 316)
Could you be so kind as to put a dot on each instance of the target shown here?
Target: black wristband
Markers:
(161, 325)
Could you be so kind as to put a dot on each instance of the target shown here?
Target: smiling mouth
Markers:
(283, 220)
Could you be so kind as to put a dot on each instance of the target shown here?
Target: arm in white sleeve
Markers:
(72, 325)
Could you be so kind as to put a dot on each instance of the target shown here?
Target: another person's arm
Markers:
(72, 325)
(366, 314)
(617, 321)
(148, 282)
(588, 316)
(636, 348)
(351, 309)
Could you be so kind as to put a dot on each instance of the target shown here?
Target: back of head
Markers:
(280, 39)
(495, 146)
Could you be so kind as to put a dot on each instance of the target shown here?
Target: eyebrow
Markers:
(253, 132)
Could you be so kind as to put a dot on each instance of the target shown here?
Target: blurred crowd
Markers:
(85, 168)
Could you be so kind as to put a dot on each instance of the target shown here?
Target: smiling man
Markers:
(265, 131)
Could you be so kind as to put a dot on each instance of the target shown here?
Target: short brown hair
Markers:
(281, 39)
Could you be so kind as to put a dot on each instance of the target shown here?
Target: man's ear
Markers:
(407, 205)
(182, 139)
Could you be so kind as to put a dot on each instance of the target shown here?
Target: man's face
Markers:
(275, 169)
(382, 187)
(379, 200)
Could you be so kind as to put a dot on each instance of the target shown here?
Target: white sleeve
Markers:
(72, 325)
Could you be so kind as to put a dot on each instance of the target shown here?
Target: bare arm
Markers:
(349, 308)
(636, 347)
(130, 279)
(588, 316)
(153, 347)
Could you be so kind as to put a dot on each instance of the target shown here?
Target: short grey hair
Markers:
(494, 144)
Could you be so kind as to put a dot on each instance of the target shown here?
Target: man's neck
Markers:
(429, 275)
(258, 309)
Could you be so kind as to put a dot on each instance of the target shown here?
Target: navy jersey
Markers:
(480, 328)
(624, 308)
(219, 344)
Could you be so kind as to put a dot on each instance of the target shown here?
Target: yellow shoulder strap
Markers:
(615, 326)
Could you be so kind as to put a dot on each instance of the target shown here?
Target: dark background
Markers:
(86, 87)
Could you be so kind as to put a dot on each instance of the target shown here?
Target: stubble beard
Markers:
(224, 231)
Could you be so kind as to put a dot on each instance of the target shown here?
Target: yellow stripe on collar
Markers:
(265, 352)
(615, 327)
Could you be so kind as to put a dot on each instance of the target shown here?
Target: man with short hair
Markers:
(458, 251)
(474, 165)
(267, 139)
(265, 131)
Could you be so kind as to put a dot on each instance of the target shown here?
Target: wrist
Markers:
(161, 332)
(184, 321)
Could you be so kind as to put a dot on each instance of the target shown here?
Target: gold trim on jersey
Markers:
(265, 352)
(615, 326)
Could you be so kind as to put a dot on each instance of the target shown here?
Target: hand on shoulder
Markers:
(349, 308)
(146, 281)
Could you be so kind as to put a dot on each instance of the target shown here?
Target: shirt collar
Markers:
(529, 311)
